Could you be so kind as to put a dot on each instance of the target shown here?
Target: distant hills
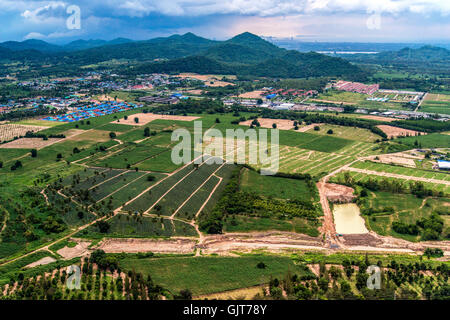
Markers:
(244, 54)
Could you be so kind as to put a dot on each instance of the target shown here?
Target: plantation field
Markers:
(192, 206)
(126, 226)
(350, 133)
(204, 275)
(172, 193)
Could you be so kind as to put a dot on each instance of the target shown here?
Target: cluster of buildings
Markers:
(272, 93)
(92, 110)
(356, 87)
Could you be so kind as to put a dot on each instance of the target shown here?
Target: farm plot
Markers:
(98, 193)
(379, 167)
(129, 157)
(125, 226)
(71, 213)
(135, 187)
(312, 141)
(342, 177)
(97, 179)
(144, 118)
(148, 198)
(10, 131)
(197, 201)
(436, 103)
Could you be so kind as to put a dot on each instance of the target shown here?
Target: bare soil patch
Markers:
(41, 262)
(147, 245)
(145, 118)
(282, 124)
(338, 193)
(404, 161)
(29, 143)
(386, 119)
(81, 249)
(395, 132)
(252, 94)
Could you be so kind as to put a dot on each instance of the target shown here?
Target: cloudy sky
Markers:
(308, 20)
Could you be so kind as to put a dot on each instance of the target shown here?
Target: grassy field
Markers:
(276, 187)
(350, 133)
(204, 275)
(434, 140)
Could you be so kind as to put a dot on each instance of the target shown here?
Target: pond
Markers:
(348, 220)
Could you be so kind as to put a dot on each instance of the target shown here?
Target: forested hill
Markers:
(426, 59)
(244, 54)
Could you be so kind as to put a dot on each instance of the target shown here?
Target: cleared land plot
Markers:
(204, 275)
(125, 226)
(282, 124)
(145, 118)
(351, 133)
(39, 143)
(396, 132)
(252, 94)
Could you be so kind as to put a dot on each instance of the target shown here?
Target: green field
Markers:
(405, 208)
(204, 275)
(436, 103)
(434, 140)
(276, 187)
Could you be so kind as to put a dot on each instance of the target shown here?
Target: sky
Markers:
(423, 21)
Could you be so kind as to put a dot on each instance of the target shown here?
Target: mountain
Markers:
(244, 54)
(31, 44)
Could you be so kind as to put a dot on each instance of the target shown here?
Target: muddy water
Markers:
(348, 220)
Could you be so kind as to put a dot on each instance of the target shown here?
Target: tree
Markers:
(103, 226)
(1, 164)
(112, 135)
(261, 265)
(75, 150)
(330, 131)
(217, 120)
(136, 120)
(33, 153)
(274, 125)
(59, 156)
(316, 128)
(147, 132)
